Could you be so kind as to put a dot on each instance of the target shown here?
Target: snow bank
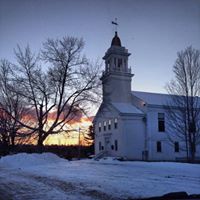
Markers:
(29, 160)
(124, 179)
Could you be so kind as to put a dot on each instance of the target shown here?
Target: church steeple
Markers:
(116, 40)
(116, 57)
(116, 78)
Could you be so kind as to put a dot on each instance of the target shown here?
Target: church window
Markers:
(119, 63)
(100, 127)
(176, 146)
(161, 122)
(104, 126)
(108, 64)
(159, 147)
(109, 124)
(112, 146)
(102, 148)
(116, 145)
(125, 64)
(116, 123)
(99, 146)
(115, 62)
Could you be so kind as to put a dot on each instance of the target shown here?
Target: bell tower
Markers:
(116, 77)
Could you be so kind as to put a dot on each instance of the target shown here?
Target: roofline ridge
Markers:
(151, 92)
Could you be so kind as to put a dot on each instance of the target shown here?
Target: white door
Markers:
(107, 143)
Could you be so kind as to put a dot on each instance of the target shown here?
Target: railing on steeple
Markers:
(117, 70)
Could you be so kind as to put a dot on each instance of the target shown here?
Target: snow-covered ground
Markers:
(46, 176)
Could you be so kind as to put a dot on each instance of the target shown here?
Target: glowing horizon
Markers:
(72, 137)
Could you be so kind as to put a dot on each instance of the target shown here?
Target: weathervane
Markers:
(115, 24)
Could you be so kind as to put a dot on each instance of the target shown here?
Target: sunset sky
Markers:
(152, 30)
(72, 138)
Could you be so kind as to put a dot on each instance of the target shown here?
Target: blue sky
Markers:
(152, 30)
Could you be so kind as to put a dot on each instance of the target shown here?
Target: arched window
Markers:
(125, 64)
(176, 146)
(119, 64)
(109, 124)
(116, 145)
(99, 146)
(99, 126)
(108, 65)
(115, 62)
(104, 126)
(161, 122)
(159, 146)
(116, 123)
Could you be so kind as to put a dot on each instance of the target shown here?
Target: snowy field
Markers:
(46, 176)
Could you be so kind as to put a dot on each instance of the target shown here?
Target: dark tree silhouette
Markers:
(89, 136)
(184, 107)
(60, 90)
(10, 102)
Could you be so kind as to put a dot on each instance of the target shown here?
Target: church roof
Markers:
(158, 99)
(153, 98)
(116, 40)
(126, 108)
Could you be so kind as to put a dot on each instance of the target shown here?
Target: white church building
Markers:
(131, 124)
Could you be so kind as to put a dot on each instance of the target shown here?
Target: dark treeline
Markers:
(63, 151)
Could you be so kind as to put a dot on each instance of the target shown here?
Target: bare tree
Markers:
(55, 94)
(184, 107)
(11, 104)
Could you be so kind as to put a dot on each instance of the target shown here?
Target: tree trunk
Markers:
(193, 150)
(41, 139)
(40, 144)
(5, 145)
(12, 143)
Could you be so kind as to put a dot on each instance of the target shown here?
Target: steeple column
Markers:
(116, 78)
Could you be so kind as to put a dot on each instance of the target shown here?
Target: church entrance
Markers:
(107, 143)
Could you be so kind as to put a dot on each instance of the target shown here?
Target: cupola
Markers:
(116, 40)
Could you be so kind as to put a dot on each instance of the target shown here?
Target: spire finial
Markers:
(115, 24)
